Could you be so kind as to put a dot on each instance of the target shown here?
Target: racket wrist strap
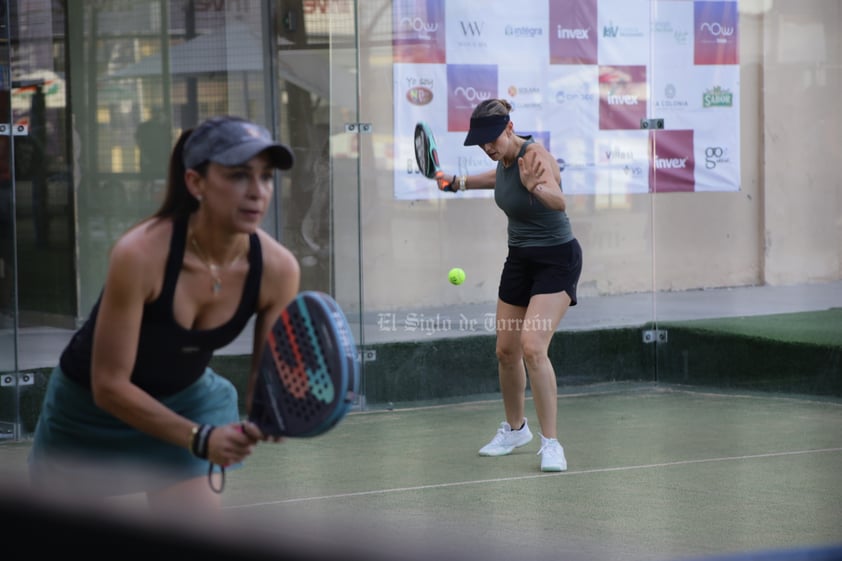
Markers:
(200, 439)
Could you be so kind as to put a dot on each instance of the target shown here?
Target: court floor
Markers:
(655, 473)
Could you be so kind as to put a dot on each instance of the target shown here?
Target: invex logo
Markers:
(420, 26)
(717, 30)
(624, 99)
(577, 34)
(471, 94)
(670, 163)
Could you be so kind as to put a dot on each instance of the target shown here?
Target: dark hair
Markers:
(491, 107)
(178, 201)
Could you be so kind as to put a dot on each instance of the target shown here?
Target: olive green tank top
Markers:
(530, 222)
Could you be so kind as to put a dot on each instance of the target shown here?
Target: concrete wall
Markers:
(802, 135)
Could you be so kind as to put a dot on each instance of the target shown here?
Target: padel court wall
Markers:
(465, 368)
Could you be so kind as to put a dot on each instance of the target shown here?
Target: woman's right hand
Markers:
(446, 182)
(232, 443)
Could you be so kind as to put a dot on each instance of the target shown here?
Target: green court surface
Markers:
(655, 473)
(819, 328)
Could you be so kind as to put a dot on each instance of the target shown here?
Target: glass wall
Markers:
(739, 219)
(95, 92)
(747, 284)
(38, 274)
(433, 340)
(110, 86)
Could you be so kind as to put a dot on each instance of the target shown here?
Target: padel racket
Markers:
(309, 374)
(427, 154)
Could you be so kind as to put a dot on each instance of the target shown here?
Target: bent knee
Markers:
(508, 354)
(534, 349)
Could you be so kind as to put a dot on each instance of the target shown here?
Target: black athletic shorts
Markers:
(540, 270)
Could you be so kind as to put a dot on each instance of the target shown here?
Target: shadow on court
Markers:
(655, 473)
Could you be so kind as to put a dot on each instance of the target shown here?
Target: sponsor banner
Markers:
(526, 91)
(497, 33)
(418, 31)
(624, 32)
(574, 31)
(716, 37)
(672, 35)
(468, 85)
(622, 160)
(672, 161)
(622, 97)
(572, 100)
(581, 76)
(716, 147)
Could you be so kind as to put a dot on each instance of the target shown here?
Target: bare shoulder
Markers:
(281, 272)
(536, 152)
(277, 258)
(140, 254)
(537, 148)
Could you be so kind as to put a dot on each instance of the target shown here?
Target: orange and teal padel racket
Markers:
(427, 154)
(309, 372)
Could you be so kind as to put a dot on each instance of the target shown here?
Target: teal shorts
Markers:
(79, 448)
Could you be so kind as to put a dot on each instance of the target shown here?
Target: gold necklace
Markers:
(214, 269)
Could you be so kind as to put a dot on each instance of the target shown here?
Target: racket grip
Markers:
(444, 184)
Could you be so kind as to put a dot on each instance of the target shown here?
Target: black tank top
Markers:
(169, 357)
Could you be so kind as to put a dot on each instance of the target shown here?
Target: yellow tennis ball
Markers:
(456, 275)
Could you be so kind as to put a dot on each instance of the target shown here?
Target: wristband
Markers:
(463, 181)
(193, 430)
(199, 444)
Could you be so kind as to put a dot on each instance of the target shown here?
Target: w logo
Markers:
(471, 28)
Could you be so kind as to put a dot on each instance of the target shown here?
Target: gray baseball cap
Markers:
(232, 141)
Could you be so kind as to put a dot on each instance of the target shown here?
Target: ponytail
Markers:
(178, 201)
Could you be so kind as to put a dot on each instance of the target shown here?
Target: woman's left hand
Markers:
(533, 170)
(255, 434)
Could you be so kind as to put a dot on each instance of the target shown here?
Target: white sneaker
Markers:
(507, 440)
(552, 455)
